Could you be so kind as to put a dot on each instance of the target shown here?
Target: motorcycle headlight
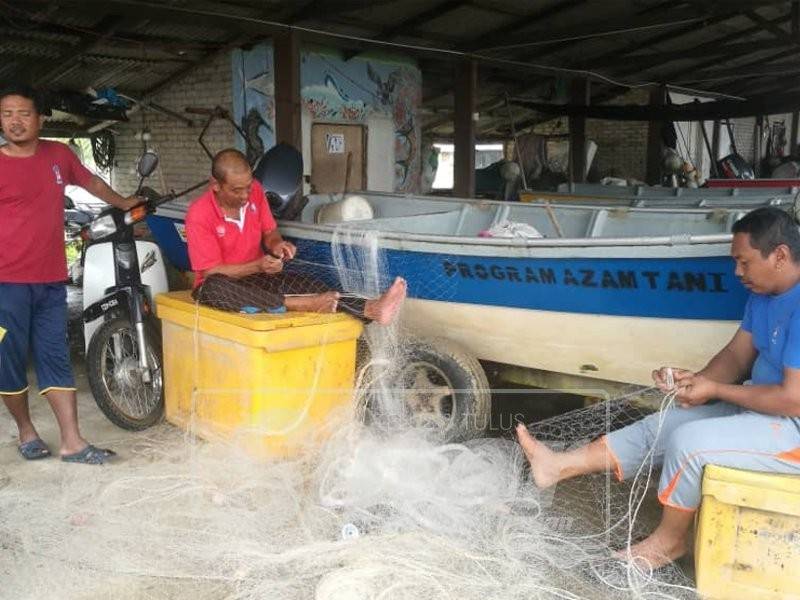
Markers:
(102, 227)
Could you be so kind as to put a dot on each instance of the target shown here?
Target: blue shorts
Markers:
(34, 316)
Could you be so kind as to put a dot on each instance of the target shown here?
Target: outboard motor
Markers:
(280, 172)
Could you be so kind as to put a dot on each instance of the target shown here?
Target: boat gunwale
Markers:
(402, 236)
(679, 239)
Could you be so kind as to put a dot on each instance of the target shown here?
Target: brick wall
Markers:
(182, 161)
(621, 145)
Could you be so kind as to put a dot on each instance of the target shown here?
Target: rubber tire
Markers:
(471, 409)
(94, 373)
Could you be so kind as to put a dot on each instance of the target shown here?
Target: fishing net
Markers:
(386, 508)
(268, 293)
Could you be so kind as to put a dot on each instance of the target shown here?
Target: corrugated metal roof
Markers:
(629, 41)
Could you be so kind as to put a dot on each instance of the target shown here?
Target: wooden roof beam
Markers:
(759, 70)
(729, 51)
(774, 29)
(499, 35)
(755, 63)
(408, 25)
(315, 8)
(610, 27)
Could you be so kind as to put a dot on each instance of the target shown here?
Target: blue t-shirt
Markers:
(774, 323)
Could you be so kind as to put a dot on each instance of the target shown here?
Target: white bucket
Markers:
(351, 208)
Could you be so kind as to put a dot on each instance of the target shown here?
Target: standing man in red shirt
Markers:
(228, 230)
(33, 269)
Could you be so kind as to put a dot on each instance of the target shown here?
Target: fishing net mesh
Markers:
(387, 508)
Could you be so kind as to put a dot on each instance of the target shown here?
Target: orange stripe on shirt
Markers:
(790, 455)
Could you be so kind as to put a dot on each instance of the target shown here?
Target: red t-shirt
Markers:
(214, 240)
(32, 212)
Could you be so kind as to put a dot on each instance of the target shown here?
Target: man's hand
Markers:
(661, 377)
(271, 265)
(284, 250)
(694, 390)
(129, 202)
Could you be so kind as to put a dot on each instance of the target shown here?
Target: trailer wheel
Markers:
(441, 386)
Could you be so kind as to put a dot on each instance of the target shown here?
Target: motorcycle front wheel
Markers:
(112, 365)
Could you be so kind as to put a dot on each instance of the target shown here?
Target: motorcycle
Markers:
(122, 334)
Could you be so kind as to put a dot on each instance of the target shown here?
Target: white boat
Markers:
(645, 196)
(608, 292)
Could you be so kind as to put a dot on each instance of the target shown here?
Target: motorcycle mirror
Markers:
(148, 162)
(280, 172)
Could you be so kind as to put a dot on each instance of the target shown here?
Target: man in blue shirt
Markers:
(753, 383)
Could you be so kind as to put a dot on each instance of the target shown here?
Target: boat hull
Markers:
(614, 348)
(606, 318)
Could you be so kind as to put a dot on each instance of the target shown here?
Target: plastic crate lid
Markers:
(184, 302)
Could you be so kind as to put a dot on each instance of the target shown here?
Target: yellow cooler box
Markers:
(270, 383)
(748, 536)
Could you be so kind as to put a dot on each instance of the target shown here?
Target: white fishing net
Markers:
(385, 509)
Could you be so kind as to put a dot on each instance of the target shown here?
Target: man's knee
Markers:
(686, 440)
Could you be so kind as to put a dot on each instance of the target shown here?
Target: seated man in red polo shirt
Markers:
(225, 230)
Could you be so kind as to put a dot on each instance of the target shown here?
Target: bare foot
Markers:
(543, 461)
(384, 309)
(325, 302)
(657, 550)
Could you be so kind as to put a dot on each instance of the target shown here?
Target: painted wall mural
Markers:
(254, 98)
(335, 90)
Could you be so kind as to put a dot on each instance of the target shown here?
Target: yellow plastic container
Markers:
(748, 536)
(271, 383)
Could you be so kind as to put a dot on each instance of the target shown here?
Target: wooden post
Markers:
(793, 134)
(715, 141)
(287, 89)
(655, 145)
(758, 149)
(465, 105)
(580, 94)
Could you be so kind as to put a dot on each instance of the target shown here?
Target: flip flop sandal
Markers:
(34, 450)
(91, 455)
